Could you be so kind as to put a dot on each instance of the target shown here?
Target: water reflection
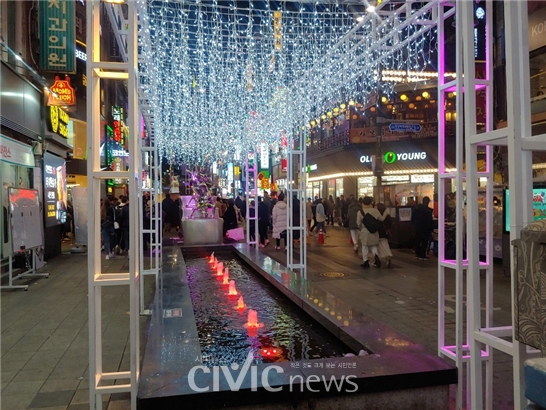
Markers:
(224, 339)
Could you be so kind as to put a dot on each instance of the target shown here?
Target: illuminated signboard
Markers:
(81, 55)
(57, 121)
(264, 156)
(54, 190)
(57, 36)
(391, 157)
(61, 92)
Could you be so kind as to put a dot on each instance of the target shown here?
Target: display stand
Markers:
(26, 233)
(29, 273)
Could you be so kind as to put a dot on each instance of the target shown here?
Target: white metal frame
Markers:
(252, 173)
(155, 231)
(96, 71)
(459, 351)
(296, 182)
(517, 137)
(29, 273)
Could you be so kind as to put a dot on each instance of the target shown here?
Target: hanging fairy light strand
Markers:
(220, 78)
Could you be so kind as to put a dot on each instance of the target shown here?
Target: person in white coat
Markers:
(280, 221)
(369, 240)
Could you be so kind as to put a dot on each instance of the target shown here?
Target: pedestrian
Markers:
(252, 222)
(230, 217)
(263, 222)
(421, 218)
(321, 217)
(107, 227)
(280, 221)
(124, 225)
(352, 213)
(383, 248)
(338, 211)
(369, 240)
(167, 206)
(296, 216)
(329, 208)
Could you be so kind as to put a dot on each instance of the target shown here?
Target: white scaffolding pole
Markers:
(296, 182)
(152, 233)
(460, 350)
(98, 70)
(251, 173)
(515, 136)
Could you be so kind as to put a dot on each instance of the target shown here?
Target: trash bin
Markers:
(530, 292)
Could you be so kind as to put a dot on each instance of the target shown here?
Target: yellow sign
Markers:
(277, 29)
(58, 121)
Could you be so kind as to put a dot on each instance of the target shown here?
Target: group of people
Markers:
(272, 217)
(327, 212)
(114, 225)
(374, 235)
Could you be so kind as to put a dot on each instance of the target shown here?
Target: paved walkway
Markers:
(44, 331)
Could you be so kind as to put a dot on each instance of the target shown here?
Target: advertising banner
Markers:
(54, 190)
(57, 36)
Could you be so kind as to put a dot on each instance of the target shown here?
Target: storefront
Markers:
(16, 171)
(409, 173)
(20, 140)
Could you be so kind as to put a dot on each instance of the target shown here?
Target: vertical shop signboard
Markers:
(54, 190)
(57, 36)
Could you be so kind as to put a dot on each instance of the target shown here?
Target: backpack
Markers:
(371, 224)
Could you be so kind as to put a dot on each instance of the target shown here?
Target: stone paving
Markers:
(44, 331)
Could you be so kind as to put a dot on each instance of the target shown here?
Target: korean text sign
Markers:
(57, 36)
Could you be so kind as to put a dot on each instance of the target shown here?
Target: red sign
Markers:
(284, 165)
(64, 92)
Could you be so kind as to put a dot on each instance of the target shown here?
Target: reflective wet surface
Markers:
(284, 332)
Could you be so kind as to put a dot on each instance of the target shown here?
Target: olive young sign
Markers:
(57, 121)
(391, 157)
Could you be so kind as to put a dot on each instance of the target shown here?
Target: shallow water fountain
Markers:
(311, 348)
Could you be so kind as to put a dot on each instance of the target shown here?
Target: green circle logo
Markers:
(390, 157)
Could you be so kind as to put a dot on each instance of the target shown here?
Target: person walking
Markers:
(230, 217)
(321, 217)
(263, 222)
(384, 250)
(107, 227)
(352, 213)
(422, 220)
(369, 240)
(280, 221)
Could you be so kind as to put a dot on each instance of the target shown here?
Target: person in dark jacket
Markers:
(124, 224)
(263, 222)
(167, 206)
(296, 216)
(107, 227)
(230, 217)
(422, 220)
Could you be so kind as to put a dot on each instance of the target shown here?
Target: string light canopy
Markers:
(220, 77)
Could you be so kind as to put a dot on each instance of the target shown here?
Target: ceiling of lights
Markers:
(219, 77)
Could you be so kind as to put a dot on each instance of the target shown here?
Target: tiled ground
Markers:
(44, 333)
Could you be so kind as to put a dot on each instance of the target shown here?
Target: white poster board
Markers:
(26, 220)
(79, 202)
